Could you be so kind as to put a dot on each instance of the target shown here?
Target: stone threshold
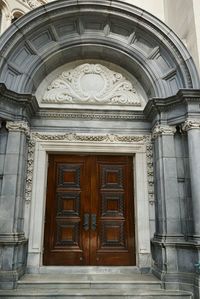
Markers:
(87, 270)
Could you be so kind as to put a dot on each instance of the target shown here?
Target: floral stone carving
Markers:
(92, 84)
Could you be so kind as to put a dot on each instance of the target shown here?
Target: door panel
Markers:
(65, 242)
(114, 235)
(89, 211)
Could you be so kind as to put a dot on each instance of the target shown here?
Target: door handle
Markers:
(86, 221)
(94, 221)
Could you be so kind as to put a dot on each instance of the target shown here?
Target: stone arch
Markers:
(63, 31)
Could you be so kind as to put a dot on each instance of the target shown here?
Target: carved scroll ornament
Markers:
(92, 84)
(191, 124)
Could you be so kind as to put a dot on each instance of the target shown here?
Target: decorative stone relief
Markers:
(92, 115)
(92, 84)
(29, 175)
(73, 137)
(160, 129)
(33, 3)
(18, 126)
(191, 124)
(150, 174)
(108, 138)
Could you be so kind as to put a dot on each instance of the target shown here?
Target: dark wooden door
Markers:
(89, 211)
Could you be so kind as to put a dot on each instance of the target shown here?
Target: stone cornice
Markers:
(159, 105)
(191, 124)
(162, 129)
(27, 101)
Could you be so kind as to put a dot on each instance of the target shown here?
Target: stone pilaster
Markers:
(12, 240)
(192, 126)
(167, 197)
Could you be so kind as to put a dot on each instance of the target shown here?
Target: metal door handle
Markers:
(94, 221)
(86, 221)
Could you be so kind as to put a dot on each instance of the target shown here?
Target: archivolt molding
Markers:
(91, 139)
(92, 84)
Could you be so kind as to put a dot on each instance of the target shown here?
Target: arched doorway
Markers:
(36, 53)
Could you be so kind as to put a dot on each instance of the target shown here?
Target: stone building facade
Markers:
(100, 79)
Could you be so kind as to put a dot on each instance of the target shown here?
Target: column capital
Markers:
(162, 129)
(18, 126)
(190, 124)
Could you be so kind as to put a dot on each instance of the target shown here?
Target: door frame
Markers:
(35, 209)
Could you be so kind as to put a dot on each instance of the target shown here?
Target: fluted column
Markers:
(168, 218)
(193, 130)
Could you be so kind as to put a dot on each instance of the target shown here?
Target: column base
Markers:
(174, 263)
(13, 249)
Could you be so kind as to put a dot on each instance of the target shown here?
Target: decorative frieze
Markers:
(191, 124)
(18, 126)
(73, 137)
(161, 129)
(100, 115)
(92, 84)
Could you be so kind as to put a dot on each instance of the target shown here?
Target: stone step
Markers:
(93, 293)
(86, 270)
(94, 281)
(91, 286)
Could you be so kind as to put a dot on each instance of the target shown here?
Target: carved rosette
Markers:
(92, 84)
(160, 130)
(18, 126)
(191, 124)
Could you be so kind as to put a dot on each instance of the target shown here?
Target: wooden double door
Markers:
(89, 211)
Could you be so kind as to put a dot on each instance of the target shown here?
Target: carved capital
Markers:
(160, 130)
(18, 126)
(190, 124)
